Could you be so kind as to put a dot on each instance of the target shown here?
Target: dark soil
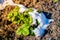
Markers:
(7, 28)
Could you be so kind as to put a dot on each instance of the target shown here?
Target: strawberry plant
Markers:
(24, 19)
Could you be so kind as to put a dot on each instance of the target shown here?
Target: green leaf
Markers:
(26, 32)
(13, 18)
(30, 10)
(16, 8)
(19, 31)
(23, 30)
(15, 13)
(32, 33)
(38, 11)
(30, 20)
(20, 18)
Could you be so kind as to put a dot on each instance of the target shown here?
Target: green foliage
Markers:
(23, 30)
(24, 19)
(28, 19)
(32, 33)
(38, 11)
(55, 1)
(29, 10)
(20, 18)
(14, 15)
